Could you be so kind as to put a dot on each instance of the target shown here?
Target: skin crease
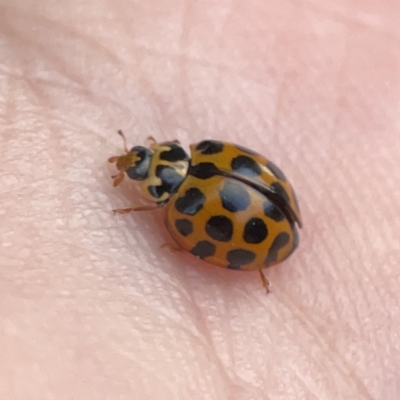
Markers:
(91, 306)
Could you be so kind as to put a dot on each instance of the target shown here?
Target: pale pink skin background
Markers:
(91, 307)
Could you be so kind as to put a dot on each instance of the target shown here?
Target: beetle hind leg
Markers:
(265, 281)
(173, 248)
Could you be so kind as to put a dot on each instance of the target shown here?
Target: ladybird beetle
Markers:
(225, 204)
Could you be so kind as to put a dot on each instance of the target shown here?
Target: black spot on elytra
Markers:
(184, 226)
(234, 196)
(204, 170)
(280, 241)
(272, 211)
(203, 249)
(246, 150)
(239, 257)
(245, 165)
(276, 171)
(220, 228)
(255, 231)
(175, 153)
(210, 147)
(280, 191)
(191, 202)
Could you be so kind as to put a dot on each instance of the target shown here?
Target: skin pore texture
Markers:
(91, 306)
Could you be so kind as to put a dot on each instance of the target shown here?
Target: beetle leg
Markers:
(265, 281)
(118, 178)
(141, 208)
(120, 133)
(172, 248)
(152, 141)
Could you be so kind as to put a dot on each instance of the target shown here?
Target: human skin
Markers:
(90, 306)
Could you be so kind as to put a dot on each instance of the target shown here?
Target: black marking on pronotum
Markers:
(156, 191)
(174, 154)
(170, 181)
